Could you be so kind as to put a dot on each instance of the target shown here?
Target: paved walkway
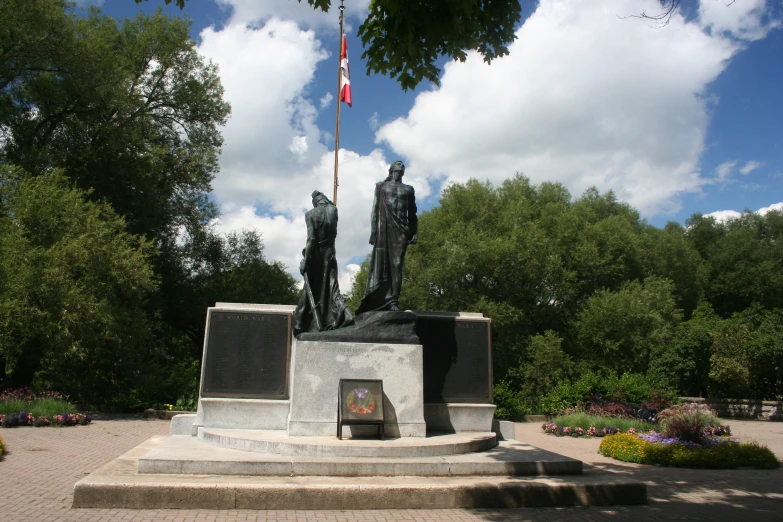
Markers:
(41, 466)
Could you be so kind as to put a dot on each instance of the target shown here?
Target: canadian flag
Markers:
(345, 73)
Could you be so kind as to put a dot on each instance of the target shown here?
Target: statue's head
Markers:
(320, 199)
(396, 170)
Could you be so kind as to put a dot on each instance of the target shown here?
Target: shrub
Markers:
(630, 387)
(723, 455)
(512, 405)
(687, 421)
(2, 446)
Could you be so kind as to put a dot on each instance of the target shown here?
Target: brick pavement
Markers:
(41, 466)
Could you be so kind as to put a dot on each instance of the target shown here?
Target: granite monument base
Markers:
(458, 417)
(318, 366)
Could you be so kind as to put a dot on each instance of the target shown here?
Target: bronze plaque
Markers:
(246, 354)
(457, 358)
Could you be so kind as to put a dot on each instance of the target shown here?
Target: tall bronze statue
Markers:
(321, 305)
(394, 227)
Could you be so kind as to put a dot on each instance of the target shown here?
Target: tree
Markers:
(129, 111)
(747, 356)
(527, 256)
(622, 330)
(404, 39)
(668, 253)
(130, 114)
(743, 260)
(684, 363)
(73, 284)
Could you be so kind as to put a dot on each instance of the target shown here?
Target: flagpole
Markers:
(339, 93)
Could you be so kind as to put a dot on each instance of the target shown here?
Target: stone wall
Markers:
(742, 408)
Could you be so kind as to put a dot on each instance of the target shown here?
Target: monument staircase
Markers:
(265, 433)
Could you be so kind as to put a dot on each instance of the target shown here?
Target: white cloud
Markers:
(285, 235)
(274, 154)
(775, 206)
(326, 101)
(346, 277)
(372, 121)
(584, 98)
(750, 166)
(725, 169)
(271, 140)
(743, 19)
(259, 11)
(723, 216)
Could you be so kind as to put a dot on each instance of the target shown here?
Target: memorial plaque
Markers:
(457, 358)
(246, 354)
(360, 402)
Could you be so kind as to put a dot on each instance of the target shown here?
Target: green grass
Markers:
(585, 421)
(727, 455)
(36, 408)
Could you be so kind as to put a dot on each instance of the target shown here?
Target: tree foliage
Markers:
(405, 38)
(579, 286)
(128, 114)
(129, 111)
(72, 289)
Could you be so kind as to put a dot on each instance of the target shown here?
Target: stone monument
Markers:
(264, 436)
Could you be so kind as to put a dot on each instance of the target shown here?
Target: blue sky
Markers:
(676, 120)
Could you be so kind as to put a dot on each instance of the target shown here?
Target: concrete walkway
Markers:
(41, 465)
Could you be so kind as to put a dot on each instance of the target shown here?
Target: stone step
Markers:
(189, 455)
(277, 442)
(118, 485)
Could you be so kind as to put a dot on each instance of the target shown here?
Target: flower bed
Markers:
(21, 407)
(711, 452)
(13, 420)
(582, 424)
(561, 430)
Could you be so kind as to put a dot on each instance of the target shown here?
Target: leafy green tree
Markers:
(72, 290)
(358, 284)
(668, 253)
(130, 114)
(622, 330)
(685, 362)
(747, 356)
(404, 39)
(129, 111)
(746, 265)
(547, 365)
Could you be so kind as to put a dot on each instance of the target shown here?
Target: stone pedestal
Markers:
(458, 417)
(318, 366)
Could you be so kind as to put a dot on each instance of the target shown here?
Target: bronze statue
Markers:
(394, 226)
(321, 305)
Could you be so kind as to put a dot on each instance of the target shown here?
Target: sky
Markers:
(676, 120)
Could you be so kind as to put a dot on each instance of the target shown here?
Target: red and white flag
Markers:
(345, 73)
